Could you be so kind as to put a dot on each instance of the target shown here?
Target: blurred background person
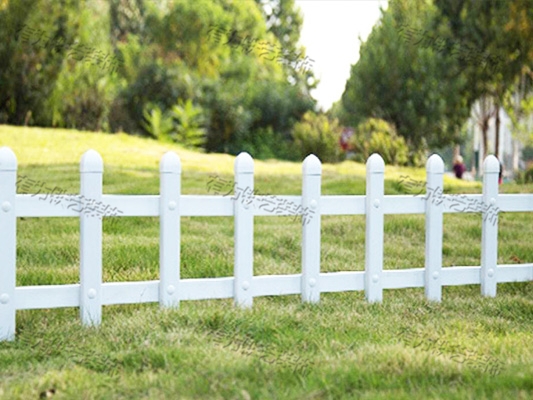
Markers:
(459, 167)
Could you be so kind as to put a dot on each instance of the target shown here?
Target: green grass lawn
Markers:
(467, 347)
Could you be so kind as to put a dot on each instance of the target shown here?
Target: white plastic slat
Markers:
(515, 273)
(169, 237)
(515, 202)
(282, 206)
(68, 205)
(8, 242)
(91, 168)
(276, 285)
(434, 228)
(403, 204)
(47, 296)
(133, 206)
(206, 206)
(29, 205)
(342, 281)
(222, 206)
(456, 276)
(342, 205)
(58, 296)
(130, 292)
(244, 230)
(460, 203)
(312, 174)
(403, 278)
(190, 205)
(127, 205)
(375, 169)
(147, 291)
(207, 288)
(489, 229)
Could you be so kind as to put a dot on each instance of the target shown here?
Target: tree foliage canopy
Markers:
(220, 60)
(427, 62)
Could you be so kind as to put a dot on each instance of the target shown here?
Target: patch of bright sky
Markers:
(330, 34)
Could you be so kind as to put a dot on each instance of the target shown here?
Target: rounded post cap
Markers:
(435, 164)
(8, 159)
(375, 163)
(91, 161)
(491, 164)
(170, 163)
(244, 163)
(312, 165)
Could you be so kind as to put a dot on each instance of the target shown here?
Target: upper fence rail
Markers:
(170, 205)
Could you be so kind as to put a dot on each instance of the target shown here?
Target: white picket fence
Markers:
(91, 293)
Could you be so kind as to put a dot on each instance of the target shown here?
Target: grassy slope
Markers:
(403, 348)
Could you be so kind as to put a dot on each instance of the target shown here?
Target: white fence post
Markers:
(434, 210)
(91, 168)
(375, 170)
(8, 242)
(489, 230)
(312, 174)
(169, 219)
(243, 203)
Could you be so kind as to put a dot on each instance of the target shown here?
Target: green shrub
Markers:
(158, 85)
(524, 177)
(318, 135)
(82, 98)
(227, 120)
(182, 124)
(527, 153)
(157, 123)
(264, 143)
(378, 136)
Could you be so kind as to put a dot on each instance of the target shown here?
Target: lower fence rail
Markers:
(114, 293)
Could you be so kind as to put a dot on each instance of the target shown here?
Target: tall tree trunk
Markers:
(456, 151)
(484, 129)
(516, 155)
(485, 112)
(497, 131)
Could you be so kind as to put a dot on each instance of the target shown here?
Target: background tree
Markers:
(31, 57)
(518, 103)
(406, 81)
(496, 46)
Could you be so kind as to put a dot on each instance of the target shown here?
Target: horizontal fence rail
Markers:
(91, 294)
